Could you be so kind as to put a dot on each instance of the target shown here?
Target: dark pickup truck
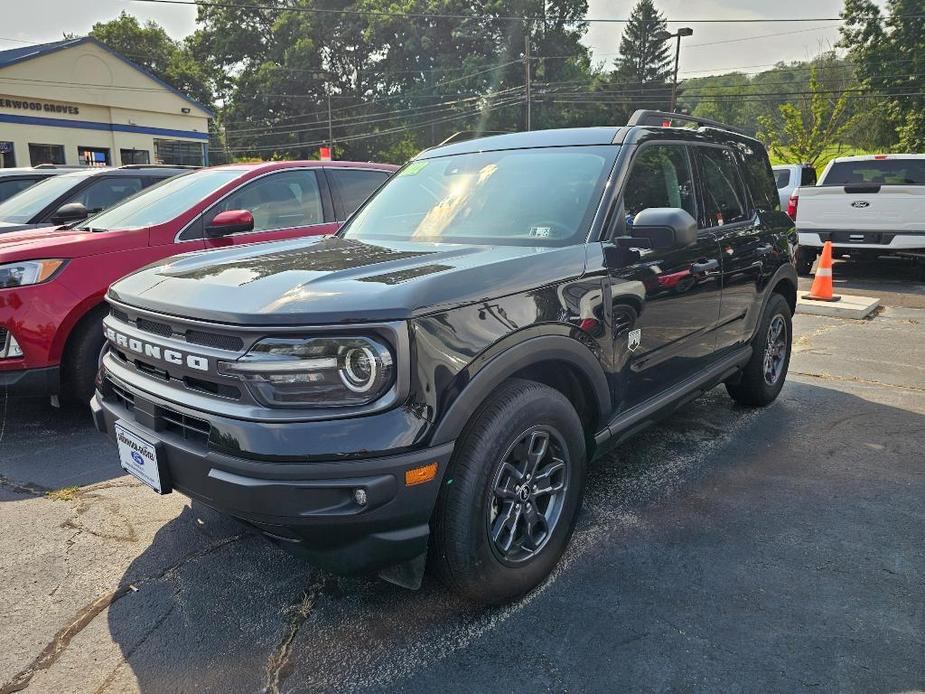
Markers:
(428, 385)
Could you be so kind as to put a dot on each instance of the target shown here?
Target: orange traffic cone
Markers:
(822, 284)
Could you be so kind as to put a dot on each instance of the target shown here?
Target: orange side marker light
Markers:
(420, 475)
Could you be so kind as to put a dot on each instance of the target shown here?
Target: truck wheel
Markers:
(509, 499)
(763, 377)
(804, 261)
(82, 358)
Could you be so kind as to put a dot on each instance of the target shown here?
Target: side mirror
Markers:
(665, 227)
(230, 222)
(69, 213)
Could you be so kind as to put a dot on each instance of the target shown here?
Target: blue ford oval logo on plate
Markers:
(136, 456)
(860, 204)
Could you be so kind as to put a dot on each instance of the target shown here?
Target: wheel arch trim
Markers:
(530, 352)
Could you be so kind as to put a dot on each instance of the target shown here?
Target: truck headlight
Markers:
(315, 372)
(27, 272)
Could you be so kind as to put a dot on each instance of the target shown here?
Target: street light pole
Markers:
(664, 36)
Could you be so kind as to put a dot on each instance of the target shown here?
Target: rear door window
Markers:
(889, 172)
(353, 187)
(724, 198)
(9, 187)
(783, 178)
(282, 200)
(106, 191)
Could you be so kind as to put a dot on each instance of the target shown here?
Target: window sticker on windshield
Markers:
(413, 168)
(540, 232)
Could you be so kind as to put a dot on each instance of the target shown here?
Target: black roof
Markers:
(642, 125)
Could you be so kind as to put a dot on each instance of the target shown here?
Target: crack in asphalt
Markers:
(27, 488)
(279, 664)
(56, 647)
(824, 376)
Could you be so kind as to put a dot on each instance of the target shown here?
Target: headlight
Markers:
(28, 272)
(315, 372)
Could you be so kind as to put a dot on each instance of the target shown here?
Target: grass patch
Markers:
(64, 494)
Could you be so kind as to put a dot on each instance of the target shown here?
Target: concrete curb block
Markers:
(854, 307)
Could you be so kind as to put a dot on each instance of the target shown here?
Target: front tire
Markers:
(763, 376)
(82, 359)
(510, 497)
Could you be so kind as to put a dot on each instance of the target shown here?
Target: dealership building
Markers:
(78, 102)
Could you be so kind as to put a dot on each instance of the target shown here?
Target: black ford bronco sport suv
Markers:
(430, 383)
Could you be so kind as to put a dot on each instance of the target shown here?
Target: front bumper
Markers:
(30, 382)
(308, 508)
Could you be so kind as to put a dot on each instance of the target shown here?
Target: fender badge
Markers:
(634, 340)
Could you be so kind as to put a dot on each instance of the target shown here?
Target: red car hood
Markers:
(46, 242)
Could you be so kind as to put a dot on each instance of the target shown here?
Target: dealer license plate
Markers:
(139, 458)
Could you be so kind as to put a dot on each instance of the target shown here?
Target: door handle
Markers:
(705, 266)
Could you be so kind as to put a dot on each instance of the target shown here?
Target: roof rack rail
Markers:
(647, 117)
(159, 166)
(56, 166)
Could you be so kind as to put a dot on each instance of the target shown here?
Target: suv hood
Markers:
(52, 242)
(335, 280)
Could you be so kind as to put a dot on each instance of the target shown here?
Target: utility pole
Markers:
(330, 126)
(527, 73)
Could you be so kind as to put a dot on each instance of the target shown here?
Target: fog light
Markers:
(359, 495)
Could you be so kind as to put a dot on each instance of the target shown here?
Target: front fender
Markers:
(533, 350)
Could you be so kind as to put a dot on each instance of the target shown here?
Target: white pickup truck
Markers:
(867, 207)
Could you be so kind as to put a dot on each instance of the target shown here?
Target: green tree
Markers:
(149, 45)
(801, 131)
(643, 59)
(889, 52)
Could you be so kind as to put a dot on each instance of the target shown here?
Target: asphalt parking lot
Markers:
(726, 549)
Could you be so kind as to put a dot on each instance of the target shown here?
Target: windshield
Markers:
(539, 197)
(887, 172)
(22, 207)
(162, 202)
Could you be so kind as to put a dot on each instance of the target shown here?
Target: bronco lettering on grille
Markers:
(171, 356)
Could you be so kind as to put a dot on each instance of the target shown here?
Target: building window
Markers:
(135, 156)
(7, 155)
(178, 152)
(93, 156)
(46, 154)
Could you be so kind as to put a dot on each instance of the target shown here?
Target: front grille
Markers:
(3, 335)
(228, 342)
(126, 398)
(118, 315)
(154, 327)
(190, 428)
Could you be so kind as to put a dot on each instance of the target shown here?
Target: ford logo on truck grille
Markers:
(148, 349)
(860, 204)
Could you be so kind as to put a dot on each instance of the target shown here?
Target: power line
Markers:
(551, 18)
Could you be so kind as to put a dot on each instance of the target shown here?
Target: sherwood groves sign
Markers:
(45, 106)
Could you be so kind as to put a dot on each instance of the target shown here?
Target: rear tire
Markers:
(82, 359)
(482, 548)
(804, 261)
(763, 376)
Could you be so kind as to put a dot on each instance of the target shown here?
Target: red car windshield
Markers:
(162, 202)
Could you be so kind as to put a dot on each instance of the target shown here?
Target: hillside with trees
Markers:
(384, 81)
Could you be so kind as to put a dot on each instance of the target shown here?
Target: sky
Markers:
(713, 48)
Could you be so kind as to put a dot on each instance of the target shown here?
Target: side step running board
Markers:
(627, 423)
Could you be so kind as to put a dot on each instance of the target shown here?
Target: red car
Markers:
(52, 282)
